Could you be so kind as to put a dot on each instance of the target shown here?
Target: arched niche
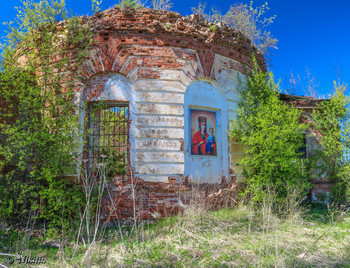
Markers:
(114, 90)
(205, 102)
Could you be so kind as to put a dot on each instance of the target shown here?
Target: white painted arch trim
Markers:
(117, 89)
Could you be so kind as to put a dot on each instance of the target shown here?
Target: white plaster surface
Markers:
(154, 156)
(165, 74)
(156, 178)
(224, 68)
(159, 85)
(152, 132)
(161, 97)
(159, 168)
(159, 121)
(159, 130)
(158, 144)
(164, 109)
(207, 95)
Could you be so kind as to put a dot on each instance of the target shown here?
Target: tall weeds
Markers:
(253, 233)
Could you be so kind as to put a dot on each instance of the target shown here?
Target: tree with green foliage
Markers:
(271, 134)
(162, 4)
(123, 4)
(41, 62)
(331, 120)
(247, 19)
(96, 5)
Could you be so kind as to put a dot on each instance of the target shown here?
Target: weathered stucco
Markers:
(207, 95)
(162, 65)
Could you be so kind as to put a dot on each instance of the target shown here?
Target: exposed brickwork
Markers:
(94, 87)
(171, 29)
(160, 39)
(153, 200)
(206, 58)
(321, 187)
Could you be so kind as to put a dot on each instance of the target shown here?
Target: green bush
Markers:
(271, 134)
(331, 120)
(39, 126)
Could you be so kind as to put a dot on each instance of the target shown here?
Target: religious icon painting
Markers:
(203, 132)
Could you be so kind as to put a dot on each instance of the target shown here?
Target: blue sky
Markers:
(313, 35)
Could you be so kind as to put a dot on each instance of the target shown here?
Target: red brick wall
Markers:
(151, 36)
(153, 200)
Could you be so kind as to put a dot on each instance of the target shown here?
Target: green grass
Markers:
(224, 238)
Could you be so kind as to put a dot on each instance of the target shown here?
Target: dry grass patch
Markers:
(229, 237)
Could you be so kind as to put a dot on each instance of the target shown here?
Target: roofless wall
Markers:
(175, 79)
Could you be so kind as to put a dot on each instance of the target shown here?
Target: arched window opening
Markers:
(108, 136)
(108, 125)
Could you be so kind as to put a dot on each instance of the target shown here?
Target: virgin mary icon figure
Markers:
(200, 140)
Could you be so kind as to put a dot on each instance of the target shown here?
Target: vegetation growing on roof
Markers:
(247, 19)
(123, 4)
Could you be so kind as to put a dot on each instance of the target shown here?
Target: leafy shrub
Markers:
(123, 4)
(162, 4)
(245, 18)
(39, 128)
(331, 120)
(271, 135)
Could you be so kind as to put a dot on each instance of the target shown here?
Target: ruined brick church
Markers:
(173, 74)
(168, 85)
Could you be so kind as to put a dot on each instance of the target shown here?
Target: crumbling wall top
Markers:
(159, 22)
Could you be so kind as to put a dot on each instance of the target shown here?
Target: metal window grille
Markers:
(108, 131)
